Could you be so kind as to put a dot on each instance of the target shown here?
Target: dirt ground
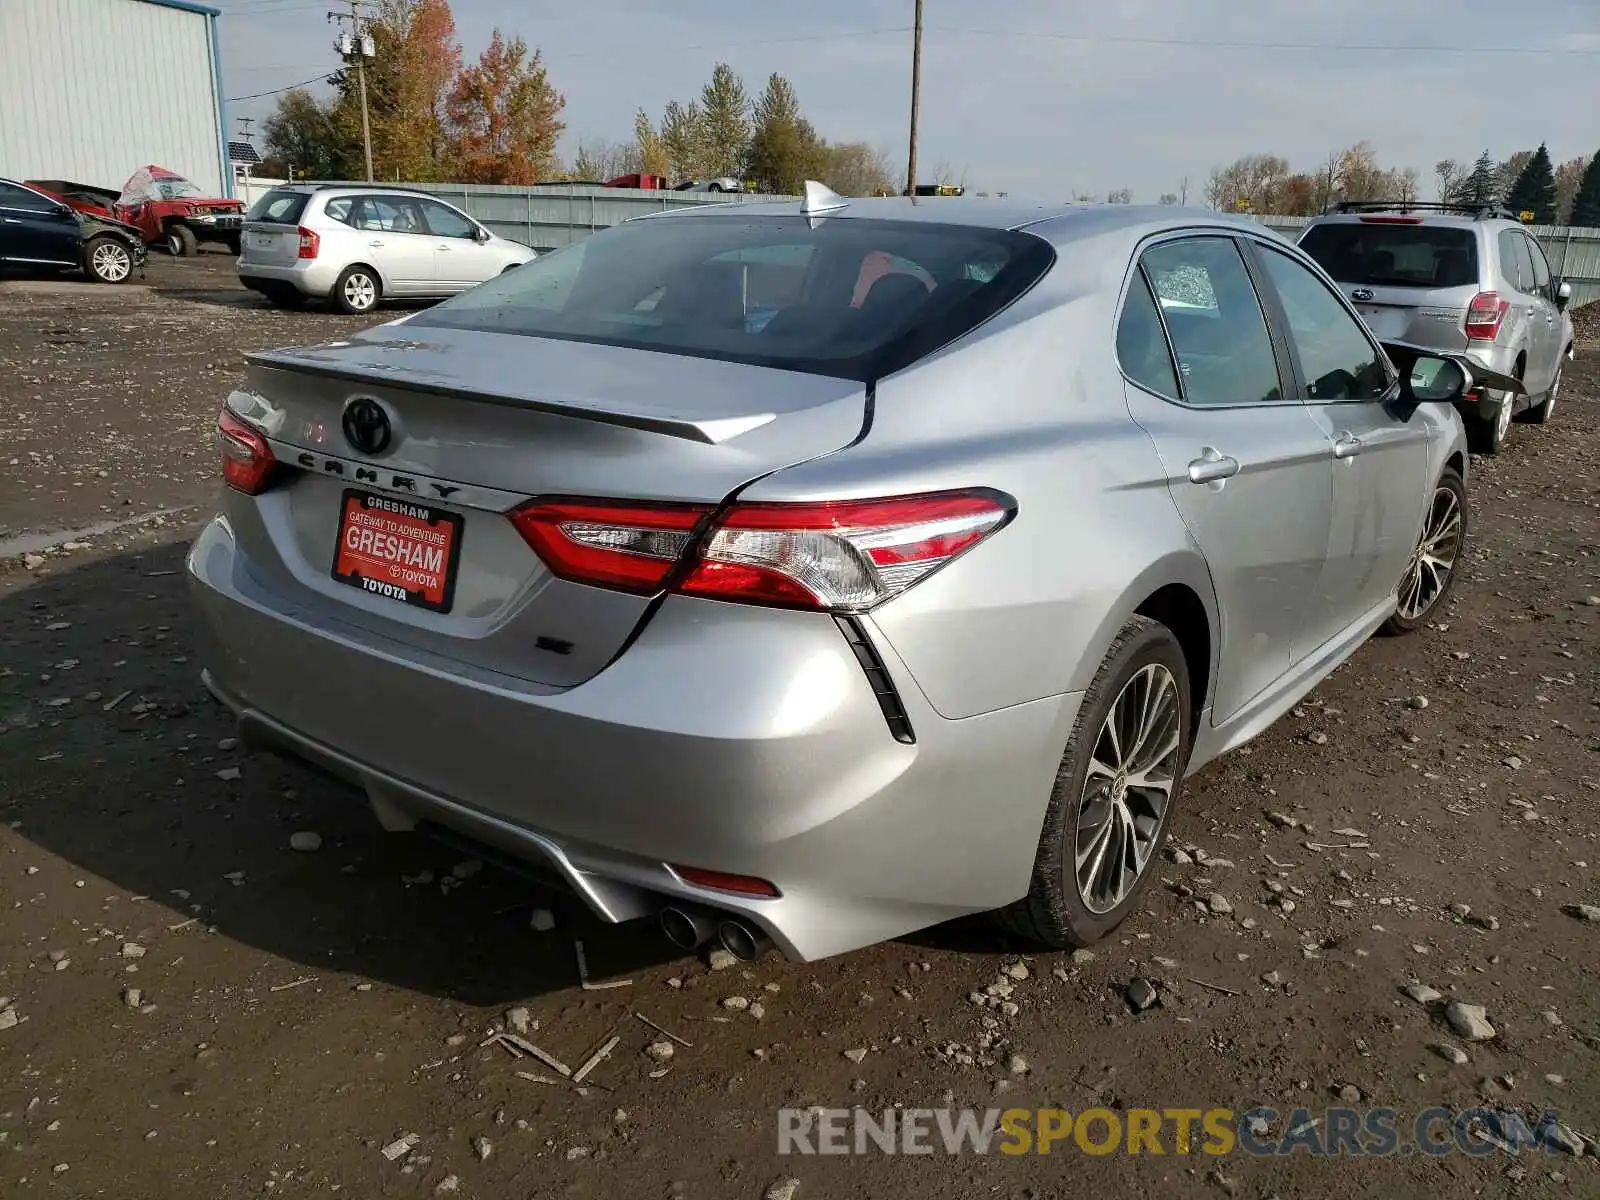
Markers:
(297, 1013)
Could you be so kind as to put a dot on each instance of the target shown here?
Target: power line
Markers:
(1210, 44)
(286, 88)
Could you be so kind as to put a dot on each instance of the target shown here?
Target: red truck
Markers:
(168, 209)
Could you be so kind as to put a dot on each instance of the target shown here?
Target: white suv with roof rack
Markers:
(358, 245)
(1461, 278)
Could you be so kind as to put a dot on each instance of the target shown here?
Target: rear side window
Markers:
(1541, 266)
(1142, 345)
(1515, 262)
(767, 290)
(279, 208)
(1215, 322)
(1427, 256)
(338, 210)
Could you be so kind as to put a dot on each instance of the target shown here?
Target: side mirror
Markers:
(1434, 381)
(481, 236)
(1435, 377)
(1563, 294)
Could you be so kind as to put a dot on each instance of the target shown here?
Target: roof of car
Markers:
(1075, 220)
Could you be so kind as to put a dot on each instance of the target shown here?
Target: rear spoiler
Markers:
(711, 431)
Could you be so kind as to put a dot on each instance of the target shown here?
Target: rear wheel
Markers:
(1114, 794)
(357, 290)
(107, 259)
(1540, 413)
(1431, 573)
(181, 241)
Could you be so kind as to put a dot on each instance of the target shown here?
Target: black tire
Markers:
(1539, 413)
(180, 241)
(1405, 621)
(107, 259)
(1054, 911)
(715, 187)
(1487, 435)
(344, 295)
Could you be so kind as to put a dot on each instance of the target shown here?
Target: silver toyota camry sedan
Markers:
(812, 573)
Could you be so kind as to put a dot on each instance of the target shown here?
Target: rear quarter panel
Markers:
(1031, 404)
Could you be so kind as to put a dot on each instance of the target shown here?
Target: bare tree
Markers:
(857, 169)
(1450, 175)
(1121, 195)
(1169, 198)
(1569, 177)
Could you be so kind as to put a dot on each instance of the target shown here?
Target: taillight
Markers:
(310, 242)
(1484, 315)
(1391, 220)
(629, 547)
(844, 555)
(247, 460)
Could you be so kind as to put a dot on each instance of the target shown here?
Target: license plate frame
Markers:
(364, 569)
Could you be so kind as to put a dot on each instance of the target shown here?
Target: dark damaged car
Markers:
(40, 231)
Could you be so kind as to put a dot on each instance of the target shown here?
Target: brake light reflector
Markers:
(845, 555)
(1484, 315)
(310, 242)
(247, 460)
(723, 881)
(630, 547)
(1391, 220)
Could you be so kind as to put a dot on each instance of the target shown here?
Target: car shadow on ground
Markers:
(114, 758)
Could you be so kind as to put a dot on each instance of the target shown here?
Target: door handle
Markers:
(446, 249)
(376, 243)
(1211, 466)
(1346, 445)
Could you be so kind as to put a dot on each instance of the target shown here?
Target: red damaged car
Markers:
(165, 207)
(170, 210)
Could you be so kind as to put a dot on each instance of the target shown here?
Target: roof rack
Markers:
(1481, 212)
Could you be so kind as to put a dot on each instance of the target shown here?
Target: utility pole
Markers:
(916, 101)
(357, 44)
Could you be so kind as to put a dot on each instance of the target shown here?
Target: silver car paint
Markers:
(746, 739)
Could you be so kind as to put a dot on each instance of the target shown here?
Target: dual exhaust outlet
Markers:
(689, 927)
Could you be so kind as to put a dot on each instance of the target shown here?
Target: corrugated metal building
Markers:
(92, 90)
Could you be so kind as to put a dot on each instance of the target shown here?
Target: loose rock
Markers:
(1584, 912)
(1219, 904)
(721, 960)
(520, 1020)
(1422, 993)
(305, 842)
(1470, 1021)
(783, 1189)
(1141, 994)
(857, 1054)
(1449, 1053)
(542, 920)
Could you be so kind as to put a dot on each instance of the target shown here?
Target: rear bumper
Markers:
(726, 737)
(310, 277)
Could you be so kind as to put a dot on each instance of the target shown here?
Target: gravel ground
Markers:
(193, 1006)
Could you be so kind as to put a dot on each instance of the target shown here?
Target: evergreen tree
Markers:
(1586, 208)
(784, 150)
(1535, 189)
(724, 123)
(1479, 187)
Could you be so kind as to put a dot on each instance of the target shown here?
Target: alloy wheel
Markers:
(1502, 419)
(112, 263)
(360, 292)
(1128, 788)
(1435, 556)
(1555, 390)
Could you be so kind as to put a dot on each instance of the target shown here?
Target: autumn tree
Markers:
(857, 169)
(650, 153)
(1569, 175)
(506, 116)
(1297, 196)
(409, 82)
(1534, 189)
(303, 139)
(1248, 184)
(1586, 204)
(724, 124)
(681, 139)
(784, 148)
(601, 160)
(1508, 172)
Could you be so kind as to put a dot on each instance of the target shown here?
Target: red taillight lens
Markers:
(1484, 315)
(845, 555)
(840, 555)
(722, 881)
(310, 242)
(247, 460)
(630, 547)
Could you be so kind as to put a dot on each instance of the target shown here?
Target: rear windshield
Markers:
(279, 208)
(1396, 255)
(852, 298)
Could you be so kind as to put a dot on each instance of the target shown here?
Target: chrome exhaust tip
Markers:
(744, 942)
(687, 928)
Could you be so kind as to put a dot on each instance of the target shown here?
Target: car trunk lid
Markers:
(478, 424)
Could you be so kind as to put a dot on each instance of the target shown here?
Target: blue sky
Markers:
(1045, 99)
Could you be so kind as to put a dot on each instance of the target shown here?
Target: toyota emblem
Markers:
(366, 425)
(1361, 294)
